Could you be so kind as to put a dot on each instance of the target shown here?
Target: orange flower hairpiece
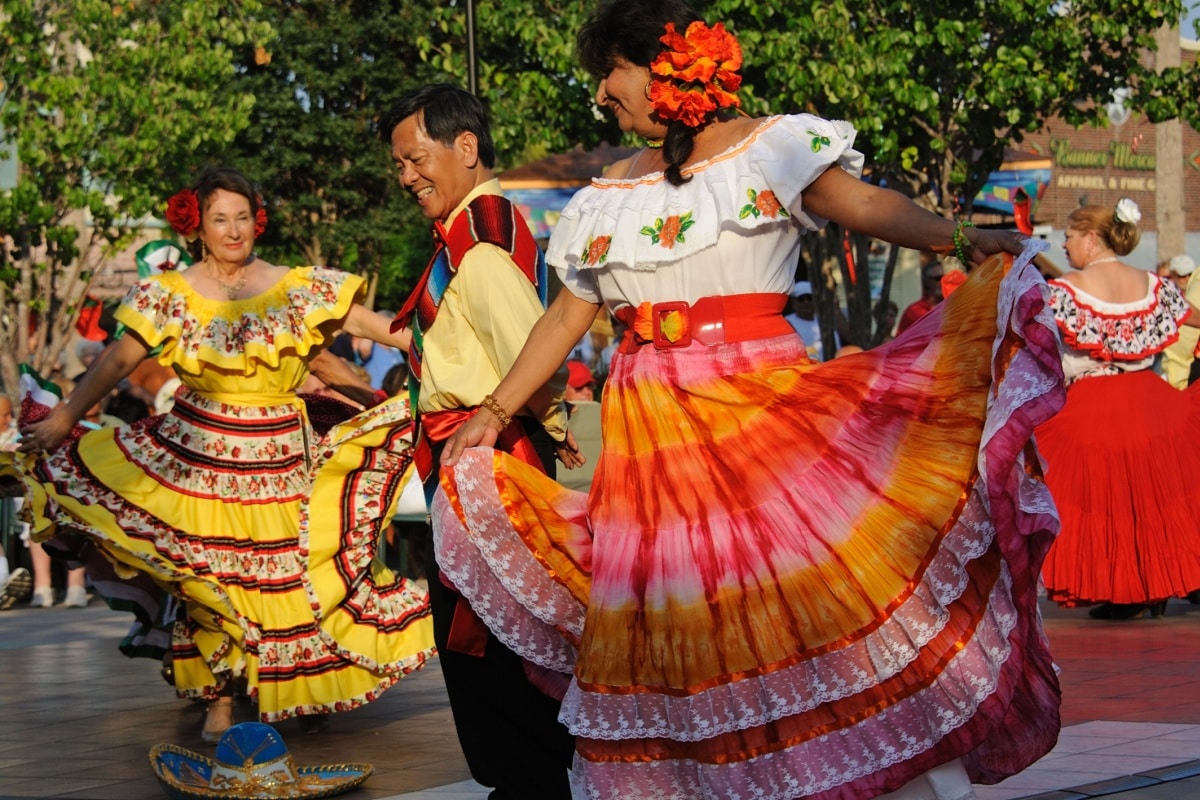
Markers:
(697, 74)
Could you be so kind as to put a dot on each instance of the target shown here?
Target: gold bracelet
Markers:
(492, 405)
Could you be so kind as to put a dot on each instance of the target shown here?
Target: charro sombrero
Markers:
(251, 762)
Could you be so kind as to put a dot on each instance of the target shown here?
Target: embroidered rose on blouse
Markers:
(597, 250)
(763, 203)
(667, 232)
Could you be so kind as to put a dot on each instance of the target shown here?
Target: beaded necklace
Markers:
(230, 289)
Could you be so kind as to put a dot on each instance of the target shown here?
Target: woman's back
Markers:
(1111, 281)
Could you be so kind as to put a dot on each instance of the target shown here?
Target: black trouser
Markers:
(509, 731)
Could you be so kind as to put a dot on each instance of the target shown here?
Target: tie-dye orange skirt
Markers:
(790, 579)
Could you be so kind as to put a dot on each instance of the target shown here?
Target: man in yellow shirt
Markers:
(470, 315)
(1177, 358)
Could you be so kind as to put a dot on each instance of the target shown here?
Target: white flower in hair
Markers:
(1127, 211)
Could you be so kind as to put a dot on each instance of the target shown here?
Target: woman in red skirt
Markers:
(1121, 456)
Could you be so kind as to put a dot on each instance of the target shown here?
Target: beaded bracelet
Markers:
(961, 242)
(493, 405)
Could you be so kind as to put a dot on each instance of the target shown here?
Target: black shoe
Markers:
(313, 723)
(1194, 597)
(1124, 611)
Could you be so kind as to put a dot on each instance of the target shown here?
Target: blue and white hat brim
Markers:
(185, 775)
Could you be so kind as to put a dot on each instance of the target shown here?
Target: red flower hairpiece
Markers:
(260, 220)
(697, 74)
(183, 213)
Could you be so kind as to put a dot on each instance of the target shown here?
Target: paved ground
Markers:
(77, 719)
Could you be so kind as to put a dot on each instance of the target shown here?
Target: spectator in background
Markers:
(127, 406)
(76, 595)
(584, 413)
(86, 351)
(604, 362)
(372, 356)
(585, 351)
(1178, 357)
(581, 384)
(885, 320)
(396, 380)
(16, 584)
(931, 292)
(932, 274)
(164, 398)
(8, 424)
(804, 319)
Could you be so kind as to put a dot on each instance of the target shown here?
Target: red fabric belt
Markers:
(709, 321)
(438, 426)
(467, 634)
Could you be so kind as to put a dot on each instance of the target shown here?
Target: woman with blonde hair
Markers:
(1120, 456)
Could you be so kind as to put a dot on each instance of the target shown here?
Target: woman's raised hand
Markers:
(987, 242)
(47, 434)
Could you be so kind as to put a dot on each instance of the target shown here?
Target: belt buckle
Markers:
(658, 312)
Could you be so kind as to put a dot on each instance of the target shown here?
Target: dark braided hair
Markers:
(631, 30)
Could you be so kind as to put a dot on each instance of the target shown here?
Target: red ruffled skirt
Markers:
(1122, 462)
(790, 579)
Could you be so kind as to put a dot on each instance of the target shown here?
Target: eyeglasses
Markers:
(803, 297)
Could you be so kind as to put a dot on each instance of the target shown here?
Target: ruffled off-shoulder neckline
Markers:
(644, 222)
(1118, 331)
(244, 334)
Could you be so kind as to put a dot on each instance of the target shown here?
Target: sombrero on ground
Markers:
(251, 762)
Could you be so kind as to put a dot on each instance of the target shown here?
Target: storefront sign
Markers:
(1119, 155)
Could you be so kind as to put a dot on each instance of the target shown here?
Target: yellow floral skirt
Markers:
(267, 533)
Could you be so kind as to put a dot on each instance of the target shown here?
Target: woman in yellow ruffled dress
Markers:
(231, 501)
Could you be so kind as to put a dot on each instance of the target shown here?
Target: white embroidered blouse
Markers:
(734, 228)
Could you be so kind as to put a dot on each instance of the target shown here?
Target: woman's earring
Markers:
(203, 250)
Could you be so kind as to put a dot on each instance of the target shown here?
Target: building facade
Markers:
(1094, 165)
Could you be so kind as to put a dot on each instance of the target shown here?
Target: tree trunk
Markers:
(1168, 161)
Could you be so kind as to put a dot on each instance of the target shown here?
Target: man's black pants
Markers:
(509, 731)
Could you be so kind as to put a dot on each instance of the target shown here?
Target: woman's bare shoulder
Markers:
(621, 169)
